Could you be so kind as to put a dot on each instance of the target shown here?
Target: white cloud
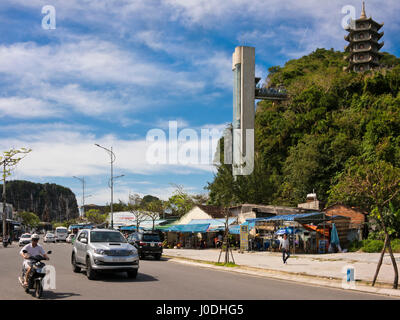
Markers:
(64, 151)
(20, 107)
(73, 75)
(91, 60)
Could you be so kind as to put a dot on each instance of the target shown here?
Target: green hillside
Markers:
(332, 120)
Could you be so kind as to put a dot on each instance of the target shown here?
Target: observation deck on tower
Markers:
(272, 93)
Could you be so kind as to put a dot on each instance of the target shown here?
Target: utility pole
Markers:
(83, 194)
(4, 201)
(111, 183)
(8, 161)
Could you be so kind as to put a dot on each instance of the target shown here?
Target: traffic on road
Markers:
(103, 264)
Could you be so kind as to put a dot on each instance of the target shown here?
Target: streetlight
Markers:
(83, 194)
(115, 178)
(111, 182)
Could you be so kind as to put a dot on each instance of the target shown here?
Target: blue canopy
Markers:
(129, 228)
(334, 235)
(235, 229)
(287, 230)
(252, 222)
(80, 226)
(213, 222)
(300, 217)
(189, 228)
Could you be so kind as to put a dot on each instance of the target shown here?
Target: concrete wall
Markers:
(357, 218)
(315, 205)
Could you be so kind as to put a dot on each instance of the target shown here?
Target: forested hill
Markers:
(51, 202)
(332, 120)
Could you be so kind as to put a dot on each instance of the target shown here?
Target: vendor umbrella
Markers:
(334, 235)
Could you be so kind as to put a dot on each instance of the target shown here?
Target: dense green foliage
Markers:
(29, 218)
(373, 245)
(94, 216)
(332, 121)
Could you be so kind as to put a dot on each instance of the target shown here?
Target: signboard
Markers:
(244, 237)
(322, 246)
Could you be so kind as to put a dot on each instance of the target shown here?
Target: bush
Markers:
(395, 245)
(372, 246)
(355, 246)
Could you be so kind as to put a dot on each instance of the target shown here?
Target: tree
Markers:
(94, 216)
(374, 187)
(152, 209)
(331, 116)
(8, 161)
(155, 210)
(180, 202)
(200, 199)
(149, 198)
(134, 206)
(29, 219)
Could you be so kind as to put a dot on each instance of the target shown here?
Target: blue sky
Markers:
(114, 69)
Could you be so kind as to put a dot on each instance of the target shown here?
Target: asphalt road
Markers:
(158, 280)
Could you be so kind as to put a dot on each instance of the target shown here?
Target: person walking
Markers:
(284, 246)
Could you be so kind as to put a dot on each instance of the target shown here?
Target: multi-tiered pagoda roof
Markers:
(363, 49)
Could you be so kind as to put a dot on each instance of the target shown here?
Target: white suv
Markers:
(103, 250)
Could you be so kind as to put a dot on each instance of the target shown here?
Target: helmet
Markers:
(35, 237)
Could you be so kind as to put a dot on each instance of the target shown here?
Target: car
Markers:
(24, 239)
(103, 250)
(70, 238)
(147, 243)
(49, 237)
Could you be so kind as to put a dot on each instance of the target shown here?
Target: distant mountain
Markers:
(51, 202)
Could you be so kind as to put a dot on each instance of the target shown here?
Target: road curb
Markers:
(361, 286)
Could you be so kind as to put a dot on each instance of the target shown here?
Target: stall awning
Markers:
(288, 230)
(213, 222)
(14, 222)
(163, 227)
(235, 229)
(189, 228)
(129, 228)
(303, 218)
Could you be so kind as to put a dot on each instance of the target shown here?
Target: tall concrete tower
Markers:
(243, 66)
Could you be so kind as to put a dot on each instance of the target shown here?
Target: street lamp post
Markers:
(83, 194)
(112, 159)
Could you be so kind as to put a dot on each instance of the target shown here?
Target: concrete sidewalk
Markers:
(322, 269)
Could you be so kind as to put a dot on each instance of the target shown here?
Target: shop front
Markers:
(308, 232)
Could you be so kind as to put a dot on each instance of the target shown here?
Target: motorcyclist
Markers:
(32, 249)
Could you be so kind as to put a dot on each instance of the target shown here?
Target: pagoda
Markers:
(363, 49)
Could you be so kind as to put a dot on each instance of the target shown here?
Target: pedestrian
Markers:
(219, 242)
(284, 245)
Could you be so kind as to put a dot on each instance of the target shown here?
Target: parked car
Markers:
(147, 243)
(70, 238)
(49, 237)
(101, 250)
(24, 239)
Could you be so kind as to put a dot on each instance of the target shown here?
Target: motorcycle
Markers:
(36, 276)
(6, 241)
